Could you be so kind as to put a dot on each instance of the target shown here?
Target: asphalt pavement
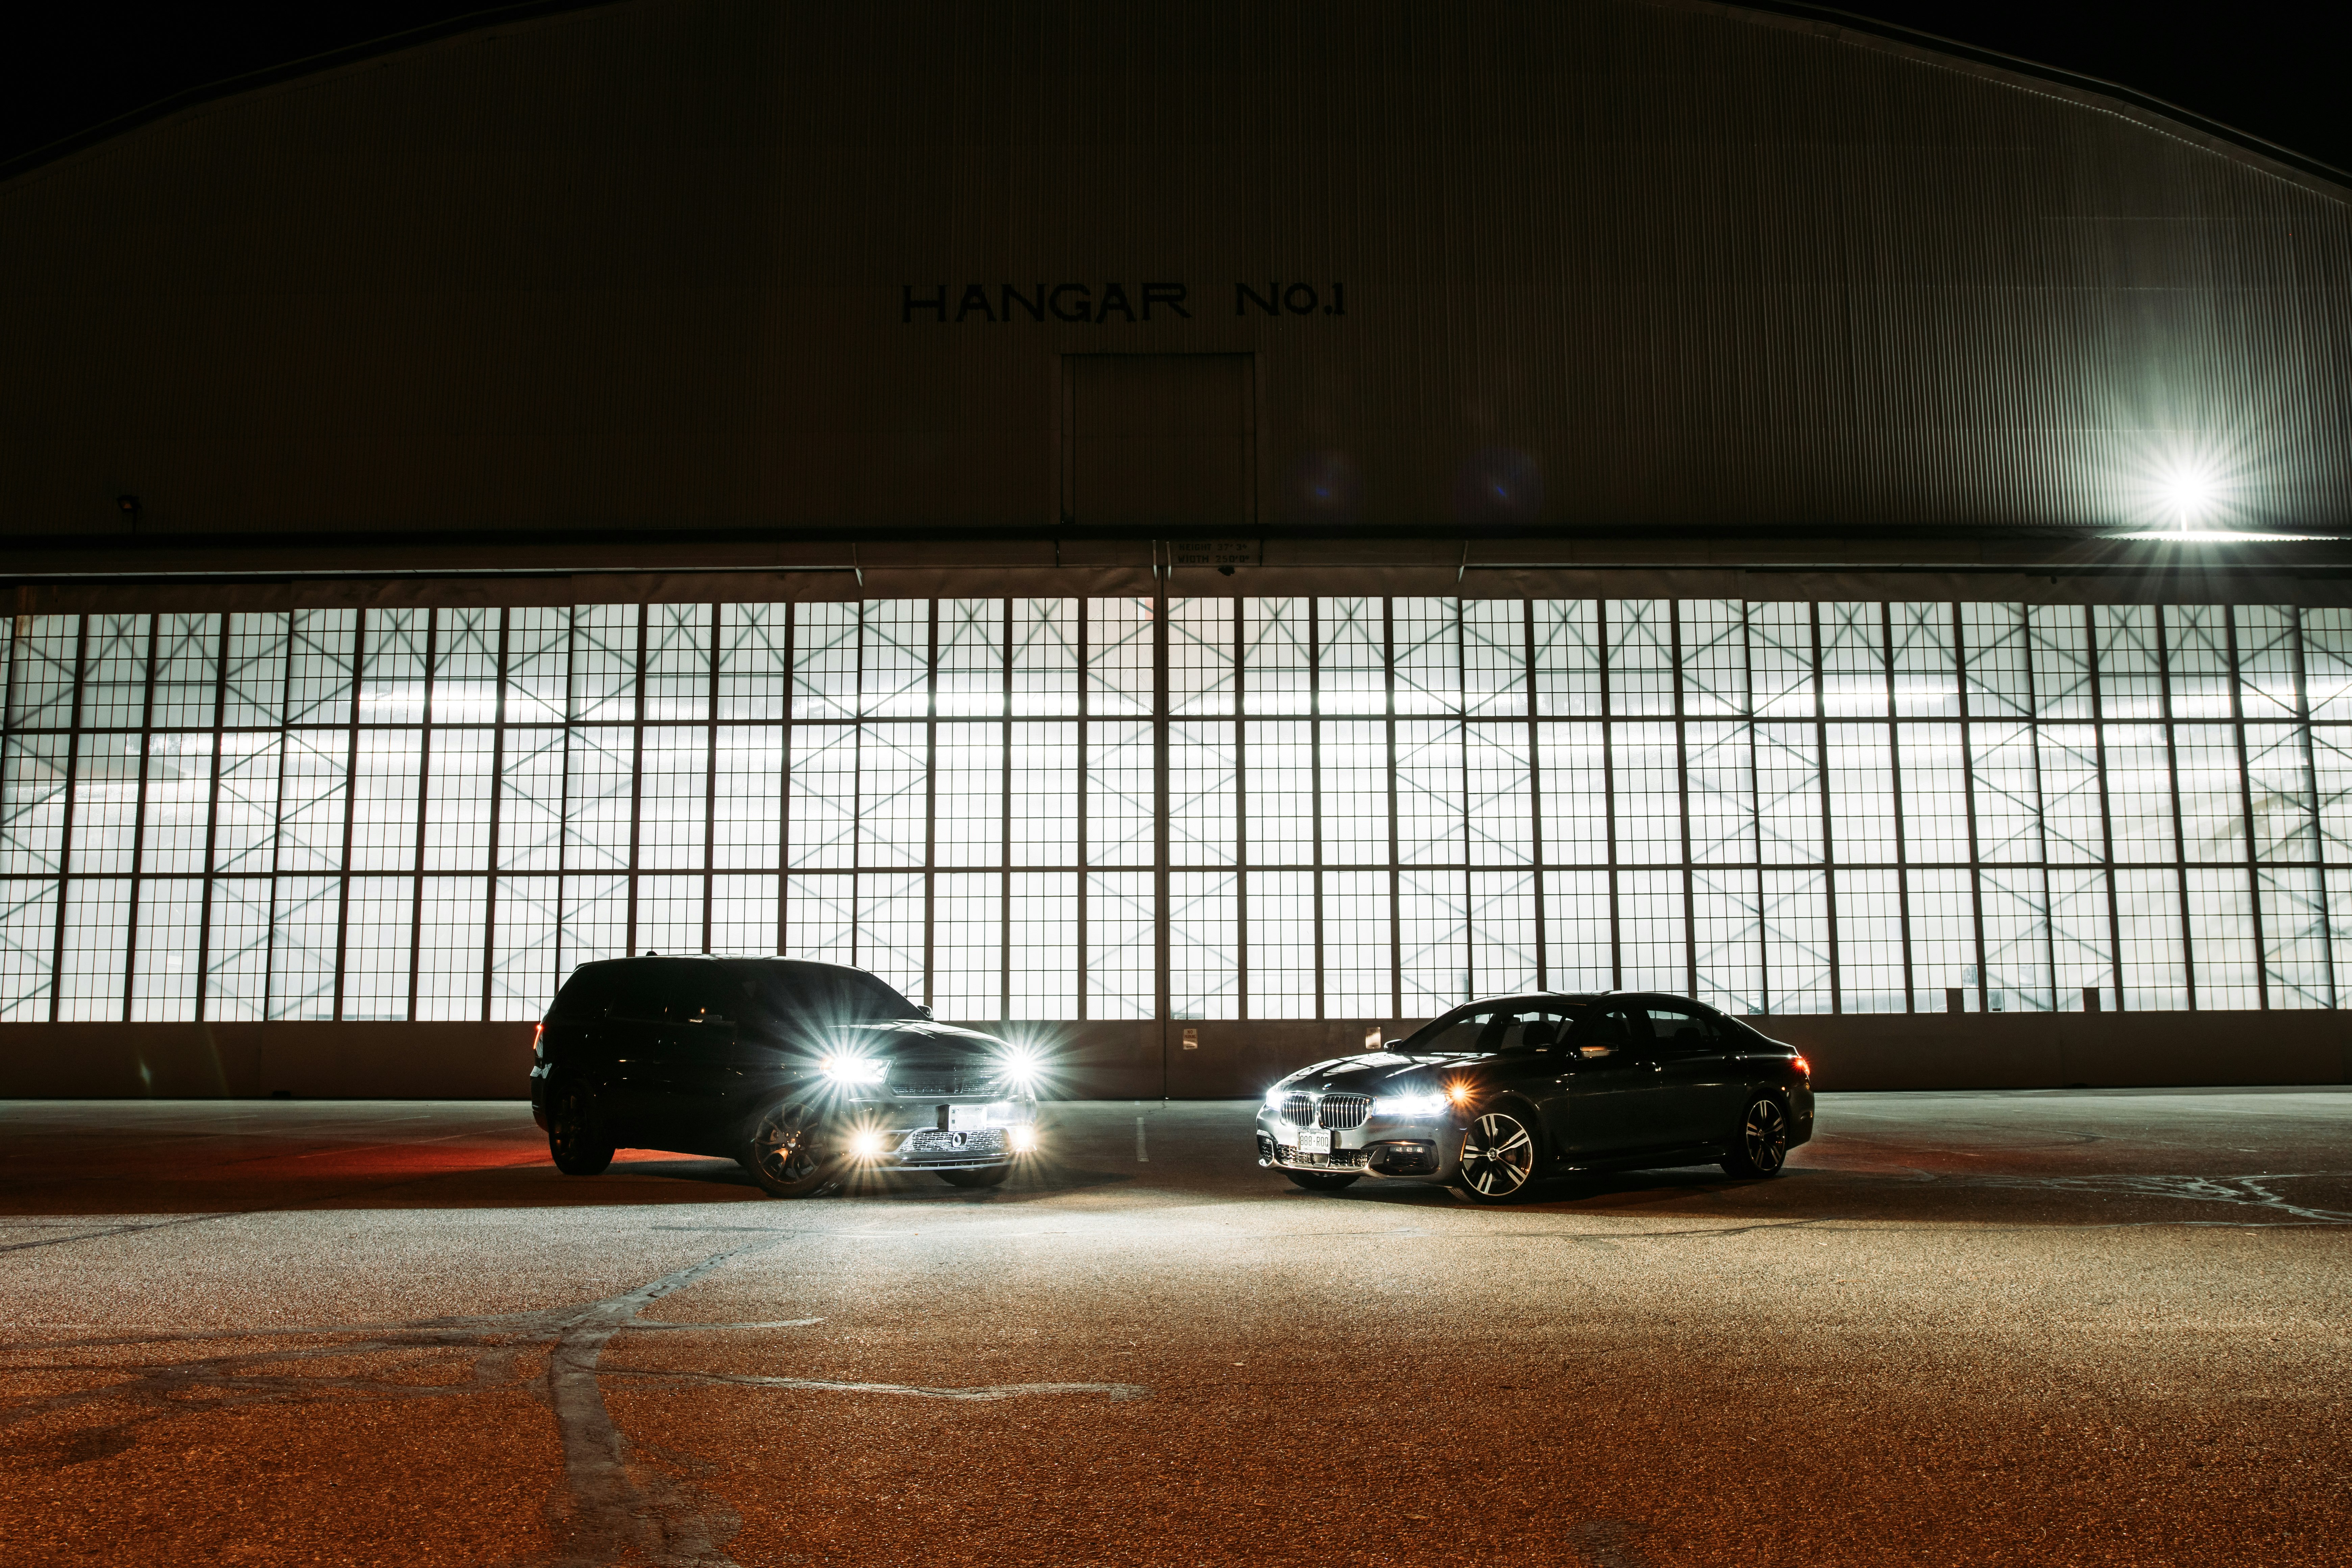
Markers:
(2037, 1328)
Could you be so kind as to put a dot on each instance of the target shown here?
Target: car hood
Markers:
(1379, 1072)
(915, 1039)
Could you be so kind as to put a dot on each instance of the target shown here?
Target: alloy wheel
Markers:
(1498, 1156)
(1764, 1138)
(785, 1148)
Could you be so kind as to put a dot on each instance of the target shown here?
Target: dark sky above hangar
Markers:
(2271, 71)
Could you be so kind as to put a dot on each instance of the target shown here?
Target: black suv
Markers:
(798, 1070)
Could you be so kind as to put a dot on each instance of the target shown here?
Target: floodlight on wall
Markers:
(2189, 490)
(129, 507)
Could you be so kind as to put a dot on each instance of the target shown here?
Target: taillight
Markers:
(537, 1032)
(1801, 1064)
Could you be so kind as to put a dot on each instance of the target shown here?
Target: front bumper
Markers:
(1402, 1148)
(936, 1134)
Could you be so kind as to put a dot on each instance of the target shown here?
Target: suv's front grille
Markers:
(1337, 1160)
(981, 1141)
(918, 1081)
(1344, 1112)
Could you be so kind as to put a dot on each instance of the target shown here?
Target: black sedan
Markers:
(1494, 1095)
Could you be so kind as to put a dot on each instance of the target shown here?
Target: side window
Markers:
(1680, 1031)
(1610, 1033)
(643, 994)
(584, 997)
(1539, 1030)
(707, 994)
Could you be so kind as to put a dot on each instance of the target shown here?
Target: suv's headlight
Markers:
(1409, 1105)
(1275, 1097)
(1020, 1069)
(853, 1069)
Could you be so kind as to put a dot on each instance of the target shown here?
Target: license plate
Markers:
(1315, 1140)
(967, 1118)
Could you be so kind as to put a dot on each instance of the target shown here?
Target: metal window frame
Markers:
(216, 634)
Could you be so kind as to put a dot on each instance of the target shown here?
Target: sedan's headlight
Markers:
(1275, 1097)
(1409, 1105)
(853, 1069)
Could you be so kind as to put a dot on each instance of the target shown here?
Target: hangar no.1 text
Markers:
(1096, 304)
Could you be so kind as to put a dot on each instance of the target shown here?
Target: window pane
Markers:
(1203, 961)
(89, 984)
(1726, 927)
(1870, 943)
(1201, 647)
(967, 947)
(1926, 680)
(1429, 793)
(1796, 922)
(1278, 792)
(1357, 952)
(1043, 955)
(1200, 776)
(1854, 661)
(1566, 657)
(2017, 940)
(1502, 932)
(163, 979)
(236, 974)
(179, 802)
(1715, 656)
(1281, 945)
(1120, 795)
(1426, 635)
(972, 657)
(1351, 665)
(1121, 946)
(1943, 939)
(1650, 930)
(1578, 932)
(1644, 766)
(1862, 793)
(2148, 914)
(449, 947)
(2294, 938)
(1046, 657)
(1433, 923)
(1119, 657)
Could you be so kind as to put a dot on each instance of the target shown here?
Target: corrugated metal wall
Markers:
(1604, 263)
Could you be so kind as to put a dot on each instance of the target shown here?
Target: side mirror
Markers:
(922, 1010)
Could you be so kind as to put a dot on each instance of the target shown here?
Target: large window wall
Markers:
(1201, 808)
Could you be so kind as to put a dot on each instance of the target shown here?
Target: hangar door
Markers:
(1159, 439)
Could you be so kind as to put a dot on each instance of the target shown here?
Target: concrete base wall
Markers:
(1147, 1060)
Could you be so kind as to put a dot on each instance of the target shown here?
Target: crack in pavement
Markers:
(1116, 1391)
(612, 1507)
(2249, 1191)
(102, 1233)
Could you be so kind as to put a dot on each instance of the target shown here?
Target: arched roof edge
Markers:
(1930, 45)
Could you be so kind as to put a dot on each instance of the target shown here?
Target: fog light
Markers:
(866, 1145)
(1023, 1139)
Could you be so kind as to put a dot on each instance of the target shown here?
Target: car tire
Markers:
(1324, 1181)
(984, 1177)
(576, 1140)
(787, 1153)
(1759, 1144)
(1500, 1157)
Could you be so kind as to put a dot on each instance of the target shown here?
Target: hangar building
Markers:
(1194, 530)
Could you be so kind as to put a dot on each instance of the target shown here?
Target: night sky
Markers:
(2271, 71)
